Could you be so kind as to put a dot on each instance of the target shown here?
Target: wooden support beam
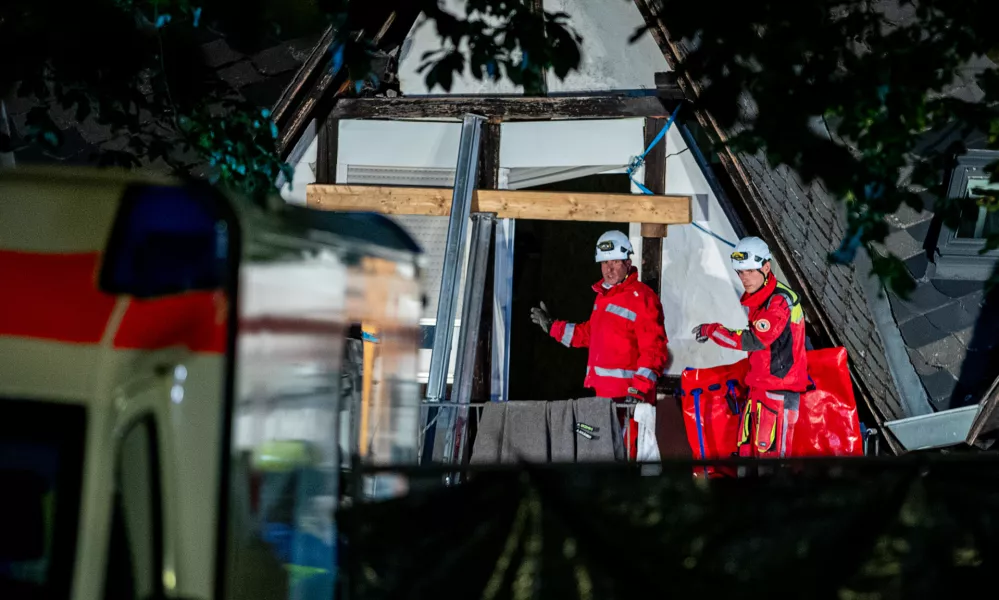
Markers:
(488, 180)
(512, 204)
(668, 86)
(502, 109)
(314, 86)
(655, 180)
(326, 153)
(987, 419)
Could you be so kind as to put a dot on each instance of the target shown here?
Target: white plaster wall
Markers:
(430, 144)
(570, 143)
(424, 38)
(305, 170)
(608, 61)
(698, 285)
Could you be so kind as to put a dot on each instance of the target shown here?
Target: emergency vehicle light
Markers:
(168, 240)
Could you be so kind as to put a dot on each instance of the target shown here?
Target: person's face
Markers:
(615, 271)
(753, 280)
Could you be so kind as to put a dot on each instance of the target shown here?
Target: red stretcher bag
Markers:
(712, 401)
(828, 422)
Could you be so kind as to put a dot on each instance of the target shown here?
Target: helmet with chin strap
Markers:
(750, 254)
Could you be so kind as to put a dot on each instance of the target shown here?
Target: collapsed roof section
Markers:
(888, 341)
(936, 351)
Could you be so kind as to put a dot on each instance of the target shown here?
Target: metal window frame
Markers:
(961, 258)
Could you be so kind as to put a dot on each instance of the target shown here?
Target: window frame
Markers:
(961, 258)
(156, 517)
(66, 426)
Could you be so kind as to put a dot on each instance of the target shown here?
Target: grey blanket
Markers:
(537, 431)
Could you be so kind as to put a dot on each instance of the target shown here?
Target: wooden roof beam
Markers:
(506, 204)
(514, 108)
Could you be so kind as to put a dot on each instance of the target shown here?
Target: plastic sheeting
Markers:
(828, 423)
(911, 527)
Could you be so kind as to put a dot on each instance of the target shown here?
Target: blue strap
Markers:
(700, 425)
(640, 160)
(713, 234)
(732, 399)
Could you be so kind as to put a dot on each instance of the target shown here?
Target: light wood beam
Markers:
(506, 204)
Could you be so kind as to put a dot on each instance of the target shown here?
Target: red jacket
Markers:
(775, 339)
(626, 337)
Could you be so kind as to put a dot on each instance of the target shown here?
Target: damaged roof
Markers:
(946, 332)
(259, 78)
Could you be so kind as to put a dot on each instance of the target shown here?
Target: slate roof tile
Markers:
(264, 93)
(240, 74)
(919, 231)
(906, 217)
(94, 132)
(919, 332)
(975, 301)
(945, 352)
(218, 54)
(275, 60)
(951, 317)
(965, 335)
(940, 386)
(958, 288)
(902, 244)
(919, 363)
(924, 299)
(917, 265)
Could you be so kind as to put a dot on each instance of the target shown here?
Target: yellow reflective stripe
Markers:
(797, 314)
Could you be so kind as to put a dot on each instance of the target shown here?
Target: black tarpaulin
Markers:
(860, 531)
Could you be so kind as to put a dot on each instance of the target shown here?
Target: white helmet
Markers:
(750, 254)
(613, 245)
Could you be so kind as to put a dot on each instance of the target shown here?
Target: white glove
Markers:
(540, 317)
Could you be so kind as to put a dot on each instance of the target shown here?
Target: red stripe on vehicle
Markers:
(53, 297)
(195, 320)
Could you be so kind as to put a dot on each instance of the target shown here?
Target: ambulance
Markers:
(173, 422)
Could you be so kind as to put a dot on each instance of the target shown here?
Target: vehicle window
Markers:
(41, 465)
(135, 561)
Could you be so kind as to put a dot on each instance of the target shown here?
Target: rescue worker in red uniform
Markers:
(775, 341)
(625, 334)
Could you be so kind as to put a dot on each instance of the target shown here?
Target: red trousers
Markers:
(766, 427)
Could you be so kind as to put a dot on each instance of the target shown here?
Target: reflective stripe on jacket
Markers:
(626, 337)
(775, 339)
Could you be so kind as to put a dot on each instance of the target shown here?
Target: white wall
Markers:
(424, 38)
(304, 159)
(608, 61)
(698, 285)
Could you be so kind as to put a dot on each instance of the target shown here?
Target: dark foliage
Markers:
(832, 529)
(856, 93)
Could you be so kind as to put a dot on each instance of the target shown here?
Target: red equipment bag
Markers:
(712, 401)
(828, 422)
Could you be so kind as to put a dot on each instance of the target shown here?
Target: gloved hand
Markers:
(703, 332)
(540, 317)
(634, 396)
